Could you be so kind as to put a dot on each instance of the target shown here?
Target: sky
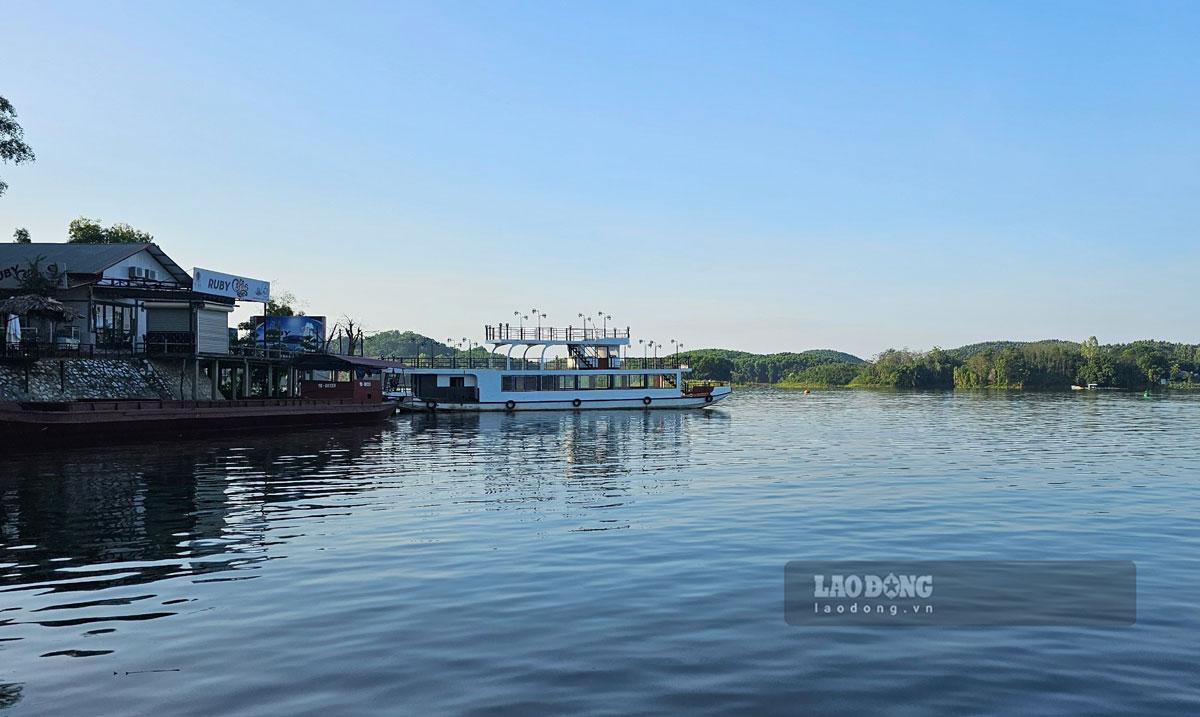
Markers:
(761, 176)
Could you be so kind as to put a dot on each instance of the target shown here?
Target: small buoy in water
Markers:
(1145, 394)
(806, 392)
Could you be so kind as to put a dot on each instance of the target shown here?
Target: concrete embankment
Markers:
(74, 379)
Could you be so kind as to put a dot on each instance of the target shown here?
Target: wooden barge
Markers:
(44, 421)
(327, 402)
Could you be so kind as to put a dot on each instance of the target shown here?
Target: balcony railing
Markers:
(506, 332)
(34, 350)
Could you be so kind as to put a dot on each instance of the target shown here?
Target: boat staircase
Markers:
(583, 359)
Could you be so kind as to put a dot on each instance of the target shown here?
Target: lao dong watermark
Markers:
(1090, 593)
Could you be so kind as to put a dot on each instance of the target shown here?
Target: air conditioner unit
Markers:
(137, 272)
(152, 274)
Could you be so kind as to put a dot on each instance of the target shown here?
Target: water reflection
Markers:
(90, 537)
(587, 444)
(149, 511)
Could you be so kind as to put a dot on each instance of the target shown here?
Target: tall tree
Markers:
(21, 236)
(89, 231)
(12, 139)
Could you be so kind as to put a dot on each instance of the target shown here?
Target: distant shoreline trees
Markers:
(995, 365)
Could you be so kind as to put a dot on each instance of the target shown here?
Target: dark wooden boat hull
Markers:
(50, 422)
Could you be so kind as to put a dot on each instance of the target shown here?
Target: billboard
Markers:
(207, 281)
(298, 333)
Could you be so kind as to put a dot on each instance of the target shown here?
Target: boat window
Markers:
(664, 380)
(631, 381)
(558, 383)
(595, 382)
(518, 383)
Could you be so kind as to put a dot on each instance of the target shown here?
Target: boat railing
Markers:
(502, 362)
(508, 332)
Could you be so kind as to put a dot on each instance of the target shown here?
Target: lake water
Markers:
(597, 563)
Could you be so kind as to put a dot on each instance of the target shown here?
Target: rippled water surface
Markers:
(604, 563)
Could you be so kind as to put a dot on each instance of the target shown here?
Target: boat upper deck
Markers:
(504, 363)
(503, 334)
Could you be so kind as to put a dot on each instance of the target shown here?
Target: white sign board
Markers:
(207, 281)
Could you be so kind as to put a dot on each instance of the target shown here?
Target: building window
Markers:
(114, 324)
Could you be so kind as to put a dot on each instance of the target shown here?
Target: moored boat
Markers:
(339, 390)
(594, 374)
(52, 420)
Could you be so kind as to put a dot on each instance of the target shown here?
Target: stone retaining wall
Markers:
(72, 379)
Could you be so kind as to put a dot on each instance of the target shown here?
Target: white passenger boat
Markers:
(595, 373)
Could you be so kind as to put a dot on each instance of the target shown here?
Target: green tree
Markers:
(83, 230)
(12, 139)
(21, 236)
(708, 366)
(282, 304)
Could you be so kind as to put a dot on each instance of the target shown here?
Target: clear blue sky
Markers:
(753, 175)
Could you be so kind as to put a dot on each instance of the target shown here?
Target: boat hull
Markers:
(52, 422)
(416, 405)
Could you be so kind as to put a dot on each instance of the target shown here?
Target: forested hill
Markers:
(404, 343)
(962, 353)
(1039, 364)
(745, 367)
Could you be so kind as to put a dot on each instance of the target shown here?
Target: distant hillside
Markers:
(745, 367)
(1049, 364)
(404, 343)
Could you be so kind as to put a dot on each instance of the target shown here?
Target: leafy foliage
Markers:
(906, 369)
(83, 230)
(404, 344)
(21, 236)
(826, 374)
(1038, 365)
(12, 139)
(744, 367)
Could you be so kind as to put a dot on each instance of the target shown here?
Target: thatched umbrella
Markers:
(39, 306)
